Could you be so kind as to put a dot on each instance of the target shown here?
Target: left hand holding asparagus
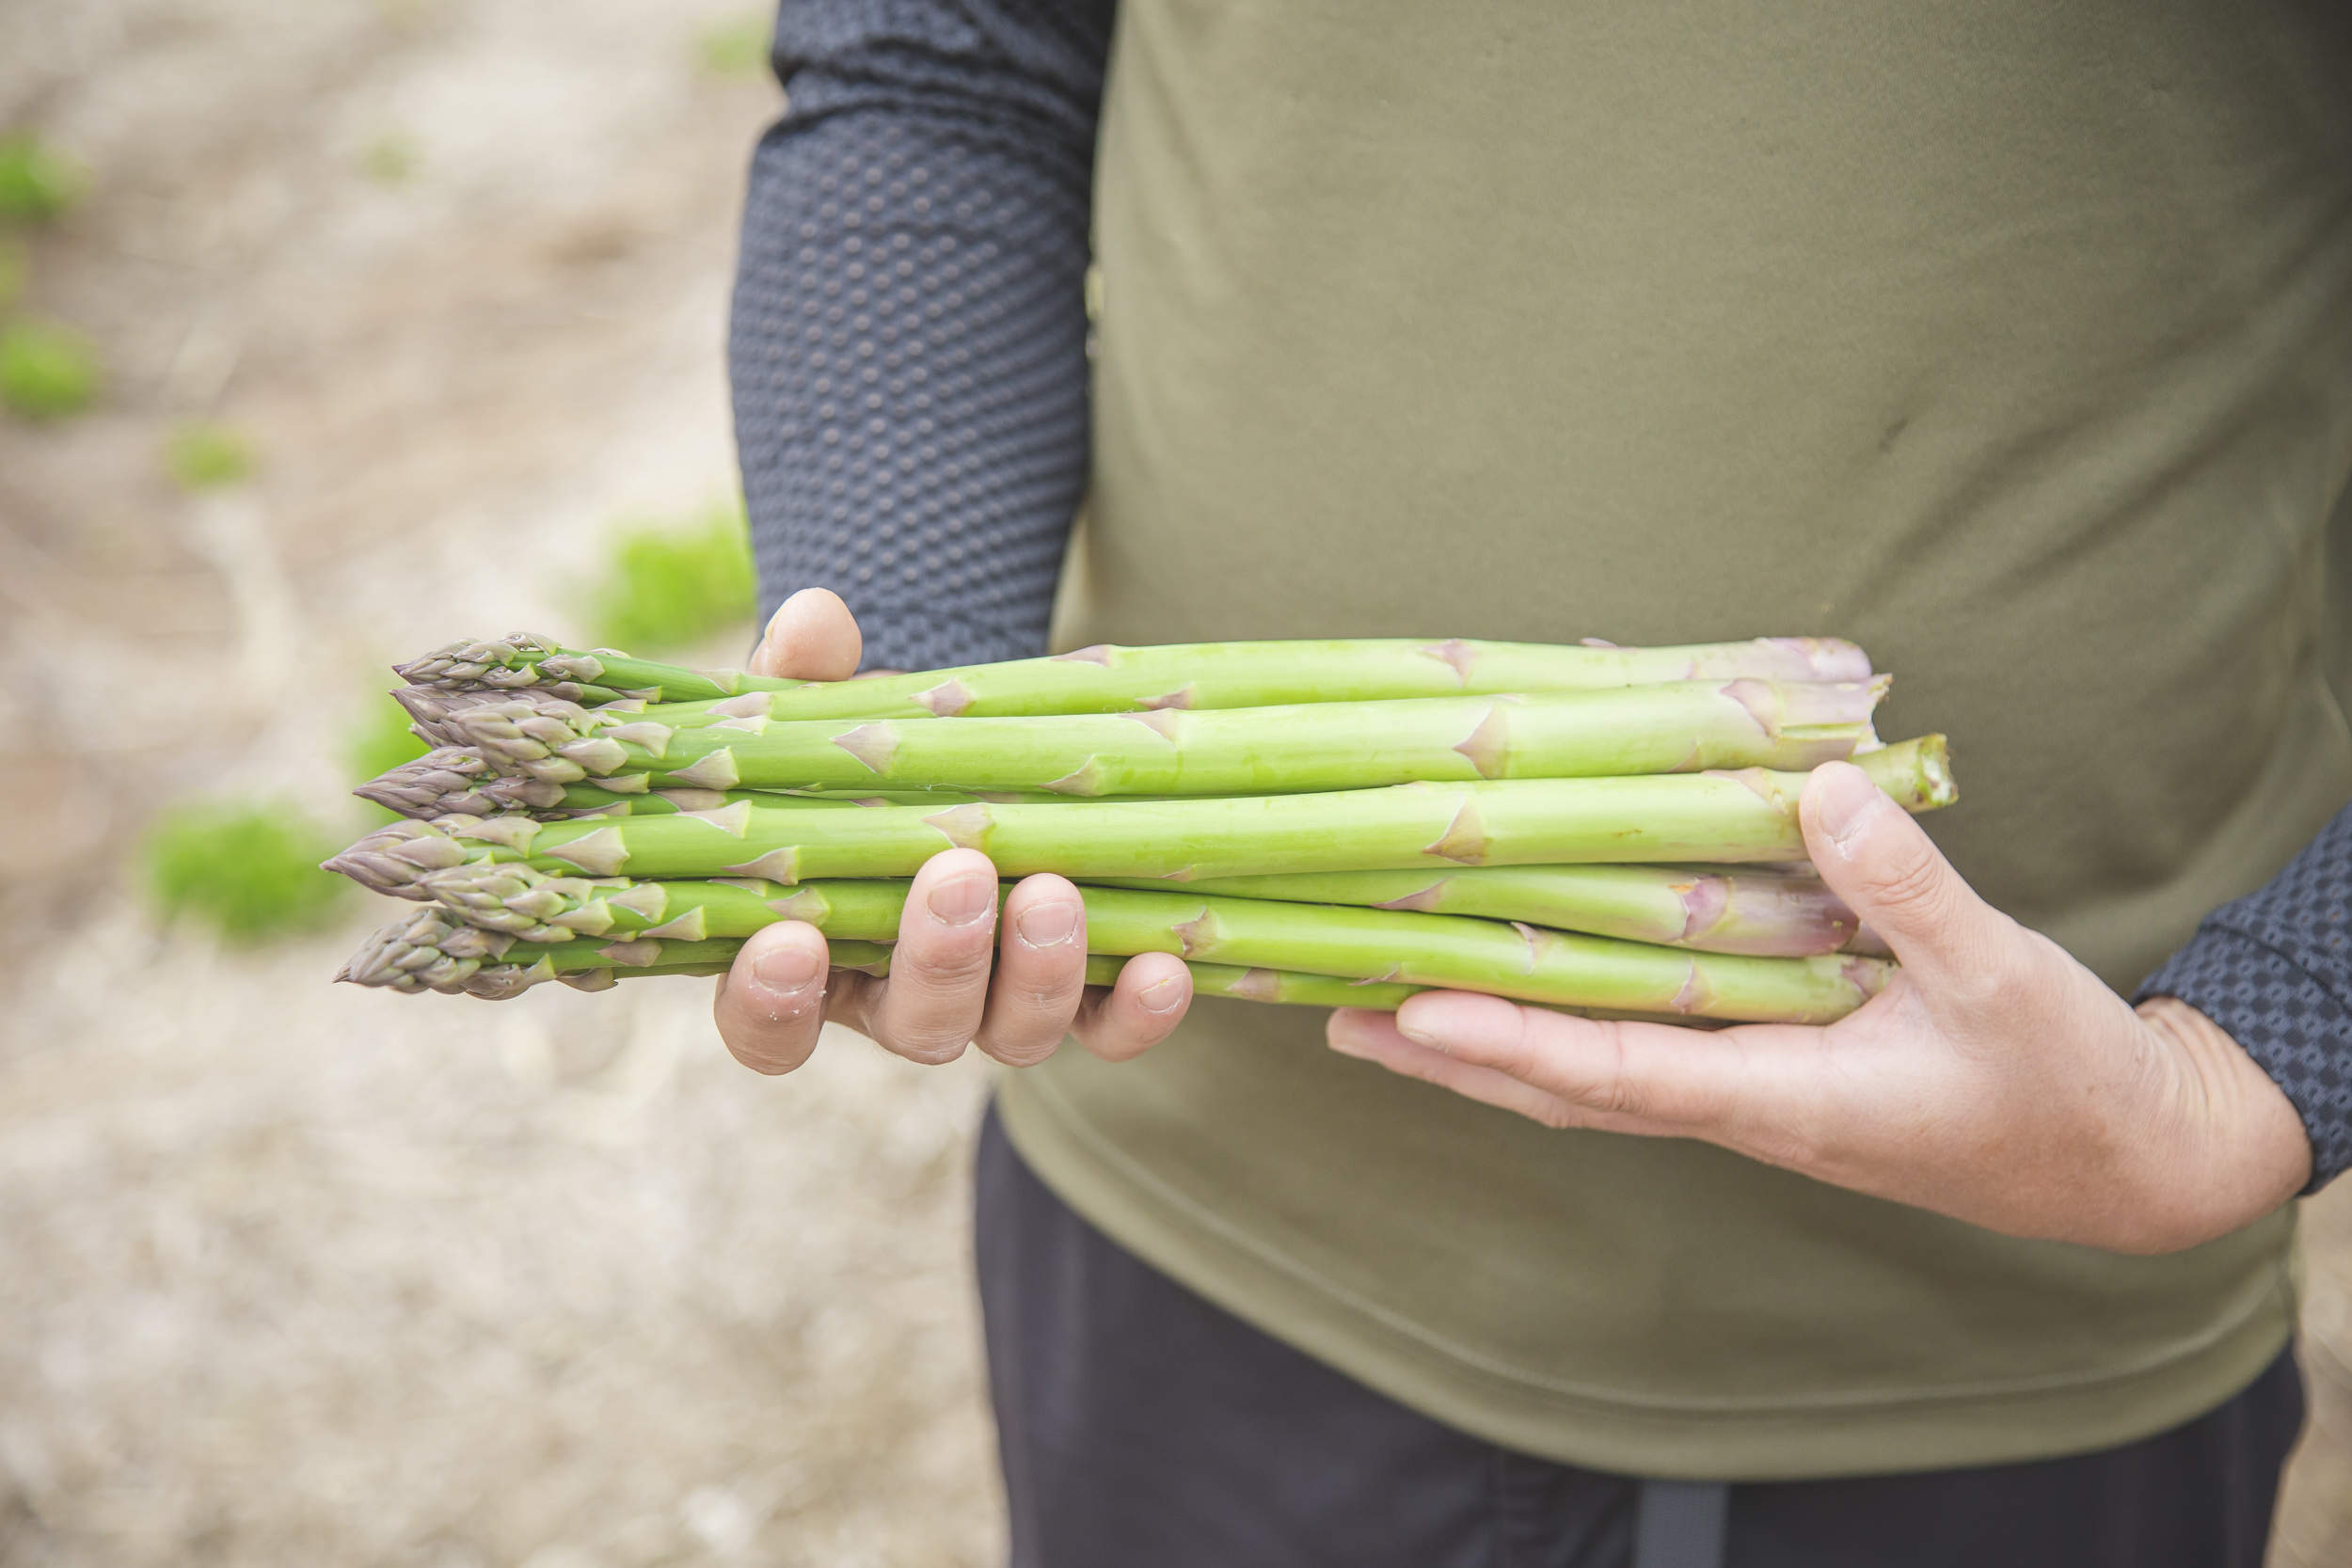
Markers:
(952, 983)
(1995, 1079)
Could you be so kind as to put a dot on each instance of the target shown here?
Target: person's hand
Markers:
(1995, 1079)
(949, 985)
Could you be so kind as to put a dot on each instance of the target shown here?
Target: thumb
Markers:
(812, 637)
(1890, 873)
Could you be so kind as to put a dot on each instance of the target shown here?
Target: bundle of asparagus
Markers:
(1338, 823)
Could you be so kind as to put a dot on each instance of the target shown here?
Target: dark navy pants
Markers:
(1144, 1428)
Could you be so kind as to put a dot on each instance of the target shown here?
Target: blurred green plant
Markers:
(736, 48)
(37, 183)
(208, 456)
(392, 159)
(405, 15)
(668, 587)
(16, 269)
(380, 740)
(47, 370)
(249, 870)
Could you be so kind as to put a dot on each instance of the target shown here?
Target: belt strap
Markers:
(1680, 1524)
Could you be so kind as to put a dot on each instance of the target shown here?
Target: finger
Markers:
(772, 1002)
(930, 1008)
(1121, 1021)
(1886, 867)
(1699, 1082)
(1040, 971)
(812, 637)
(1374, 1037)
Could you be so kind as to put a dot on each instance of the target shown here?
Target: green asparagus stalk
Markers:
(596, 970)
(1761, 914)
(1290, 989)
(1272, 985)
(1764, 913)
(432, 950)
(513, 664)
(410, 955)
(430, 708)
(1746, 815)
(457, 780)
(531, 906)
(1521, 962)
(1104, 679)
(1683, 726)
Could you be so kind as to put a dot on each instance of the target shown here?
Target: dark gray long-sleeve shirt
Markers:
(909, 362)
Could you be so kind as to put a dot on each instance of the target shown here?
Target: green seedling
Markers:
(37, 183)
(392, 159)
(379, 742)
(48, 370)
(16, 270)
(669, 587)
(736, 48)
(208, 457)
(249, 870)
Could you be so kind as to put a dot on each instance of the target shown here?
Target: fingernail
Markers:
(1161, 996)
(1845, 805)
(1047, 925)
(786, 969)
(1346, 1046)
(962, 900)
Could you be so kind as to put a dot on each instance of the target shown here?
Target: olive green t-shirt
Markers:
(2013, 340)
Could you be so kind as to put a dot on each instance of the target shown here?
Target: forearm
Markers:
(908, 339)
(2274, 969)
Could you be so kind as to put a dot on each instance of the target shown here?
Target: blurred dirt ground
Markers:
(291, 1274)
(294, 1275)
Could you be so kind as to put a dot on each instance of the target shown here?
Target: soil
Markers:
(300, 1275)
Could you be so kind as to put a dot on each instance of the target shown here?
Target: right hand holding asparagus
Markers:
(949, 983)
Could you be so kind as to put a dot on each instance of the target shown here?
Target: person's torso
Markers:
(2012, 340)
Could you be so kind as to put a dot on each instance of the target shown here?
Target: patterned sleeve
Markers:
(907, 347)
(2275, 970)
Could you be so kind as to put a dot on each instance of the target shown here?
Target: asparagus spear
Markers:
(1515, 960)
(514, 662)
(431, 950)
(1502, 960)
(1681, 726)
(1746, 815)
(457, 780)
(410, 954)
(531, 906)
(1104, 679)
(1272, 985)
(1765, 915)
(429, 708)
(1759, 911)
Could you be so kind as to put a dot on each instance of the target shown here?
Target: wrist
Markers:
(2236, 1148)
